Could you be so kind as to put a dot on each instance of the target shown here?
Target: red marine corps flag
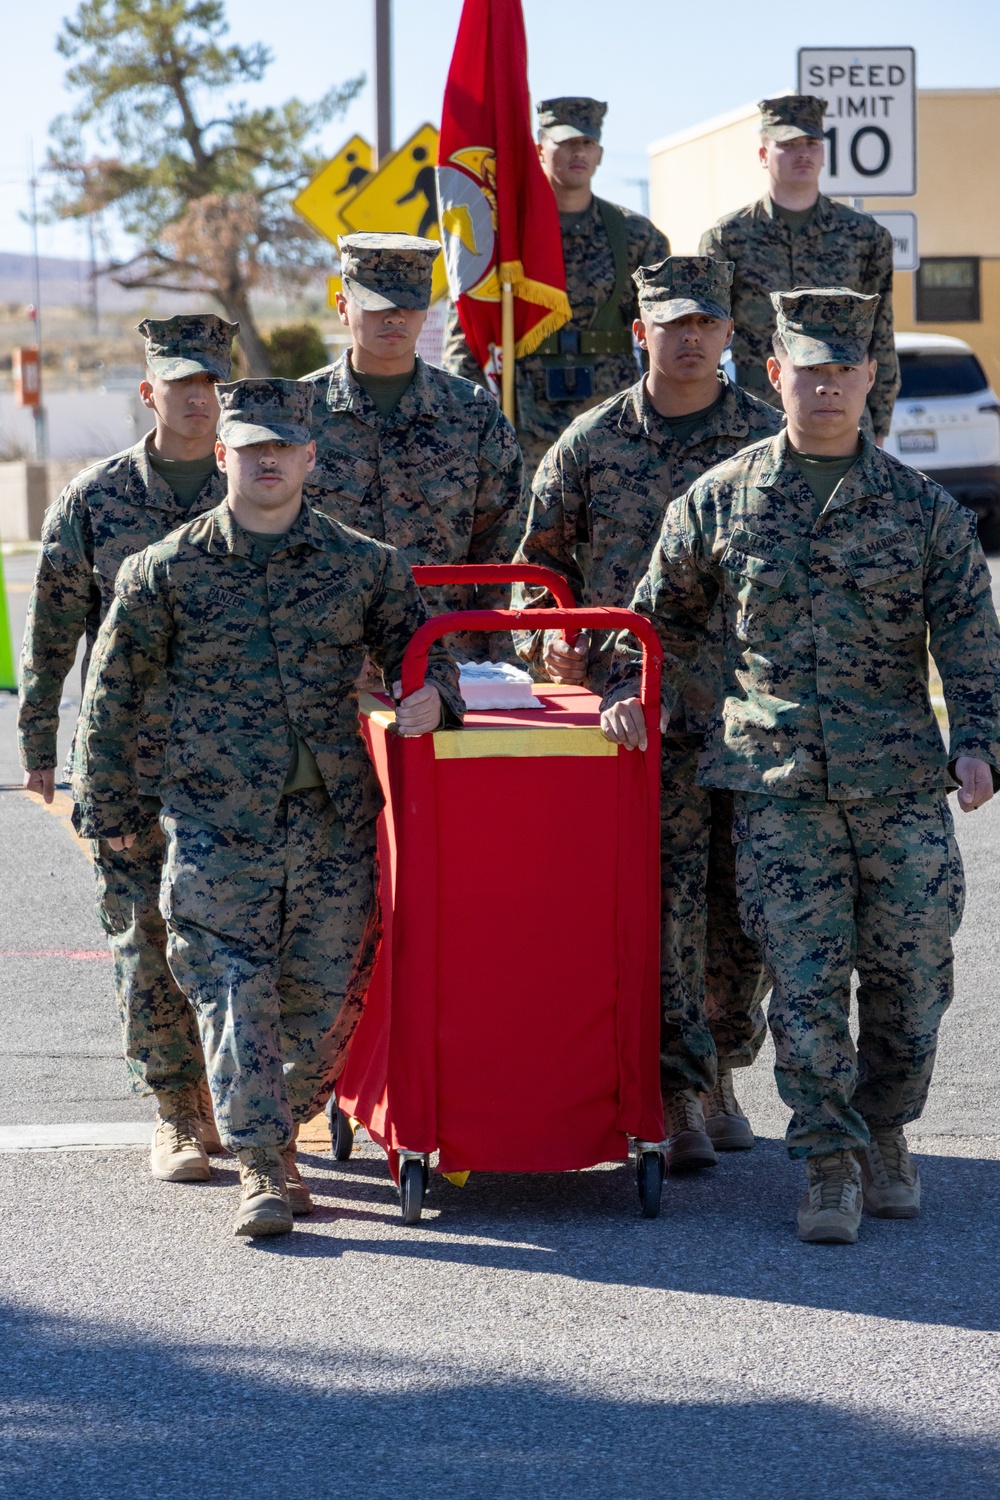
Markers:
(497, 211)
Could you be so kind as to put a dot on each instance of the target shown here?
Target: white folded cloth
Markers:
(494, 684)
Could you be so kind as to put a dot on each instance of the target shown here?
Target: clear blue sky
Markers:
(661, 65)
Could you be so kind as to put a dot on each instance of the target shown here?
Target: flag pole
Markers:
(507, 349)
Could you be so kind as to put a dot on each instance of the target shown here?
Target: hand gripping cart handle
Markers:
(483, 1038)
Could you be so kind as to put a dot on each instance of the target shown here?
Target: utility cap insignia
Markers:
(568, 119)
(792, 115)
(682, 285)
(264, 411)
(189, 344)
(828, 326)
(381, 271)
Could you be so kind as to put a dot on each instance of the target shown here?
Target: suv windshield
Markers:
(924, 375)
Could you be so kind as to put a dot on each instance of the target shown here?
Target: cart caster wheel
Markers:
(412, 1187)
(341, 1132)
(649, 1181)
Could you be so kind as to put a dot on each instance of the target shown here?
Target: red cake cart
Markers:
(485, 1038)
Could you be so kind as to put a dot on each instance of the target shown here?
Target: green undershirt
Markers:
(303, 773)
(387, 391)
(187, 477)
(822, 474)
(795, 218)
(681, 428)
(569, 222)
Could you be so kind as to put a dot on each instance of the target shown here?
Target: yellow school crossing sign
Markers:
(401, 195)
(321, 203)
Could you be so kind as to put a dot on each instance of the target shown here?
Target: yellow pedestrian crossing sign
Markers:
(322, 201)
(402, 196)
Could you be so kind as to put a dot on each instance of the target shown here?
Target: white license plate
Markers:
(918, 442)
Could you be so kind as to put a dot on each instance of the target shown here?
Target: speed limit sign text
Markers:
(871, 118)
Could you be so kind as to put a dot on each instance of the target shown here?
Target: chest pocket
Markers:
(342, 481)
(890, 581)
(333, 617)
(220, 620)
(441, 528)
(109, 559)
(753, 572)
(625, 519)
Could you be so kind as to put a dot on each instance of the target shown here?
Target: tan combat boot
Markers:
(298, 1194)
(176, 1153)
(726, 1126)
(209, 1130)
(688, 1146)
(264, 1209)
(891, 1181)
(830, 1212)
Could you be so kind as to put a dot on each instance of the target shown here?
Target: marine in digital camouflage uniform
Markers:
(597, 506)
(827, 244)
(592, 356)
(269, 798)
(108, 512)
(827, 739)
(412, 455)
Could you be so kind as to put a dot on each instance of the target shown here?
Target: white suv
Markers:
(947, 424)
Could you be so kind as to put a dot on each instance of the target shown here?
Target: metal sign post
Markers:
(871, 118)
(383, 80)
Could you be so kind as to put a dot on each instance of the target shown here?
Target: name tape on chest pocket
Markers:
(324, 596)
(225, 597)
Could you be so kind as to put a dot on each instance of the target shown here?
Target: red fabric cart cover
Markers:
(510, 1050)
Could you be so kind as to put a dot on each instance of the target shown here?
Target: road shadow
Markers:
(96, 1416)
(728, 1232)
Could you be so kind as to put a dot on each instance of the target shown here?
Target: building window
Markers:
(948, 289)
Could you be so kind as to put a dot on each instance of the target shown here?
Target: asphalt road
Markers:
(531, 1338)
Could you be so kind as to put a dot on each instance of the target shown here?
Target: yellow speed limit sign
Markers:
(401, 196)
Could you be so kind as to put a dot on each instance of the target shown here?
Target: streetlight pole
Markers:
(383, 79)
(38, 412)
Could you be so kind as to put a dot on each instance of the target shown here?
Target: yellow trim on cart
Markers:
(512, 743)
(523, 744)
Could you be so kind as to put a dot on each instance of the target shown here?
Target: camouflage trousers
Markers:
(711, 977)
(273, 942)
(159, 1030)
(829, 888)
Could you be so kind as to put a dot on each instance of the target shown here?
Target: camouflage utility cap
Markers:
(791, 116)
(569, 119)
(682, 285)
(382, 271)
(831, 326)
(189, 344)
(264, 411)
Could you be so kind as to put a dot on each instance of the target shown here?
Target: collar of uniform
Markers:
(589, 219)
(344, 393)
(156, 492)
(777, 470)
(227, 535)
(640, 415)
(824, 216)
(868, 476)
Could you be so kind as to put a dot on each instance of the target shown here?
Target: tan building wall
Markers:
(698, 175)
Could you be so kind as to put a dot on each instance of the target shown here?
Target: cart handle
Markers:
(415, 656)
(556, 584)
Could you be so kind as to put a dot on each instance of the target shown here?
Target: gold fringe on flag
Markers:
(542, 296)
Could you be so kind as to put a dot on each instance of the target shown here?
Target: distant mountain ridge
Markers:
(66, 283)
